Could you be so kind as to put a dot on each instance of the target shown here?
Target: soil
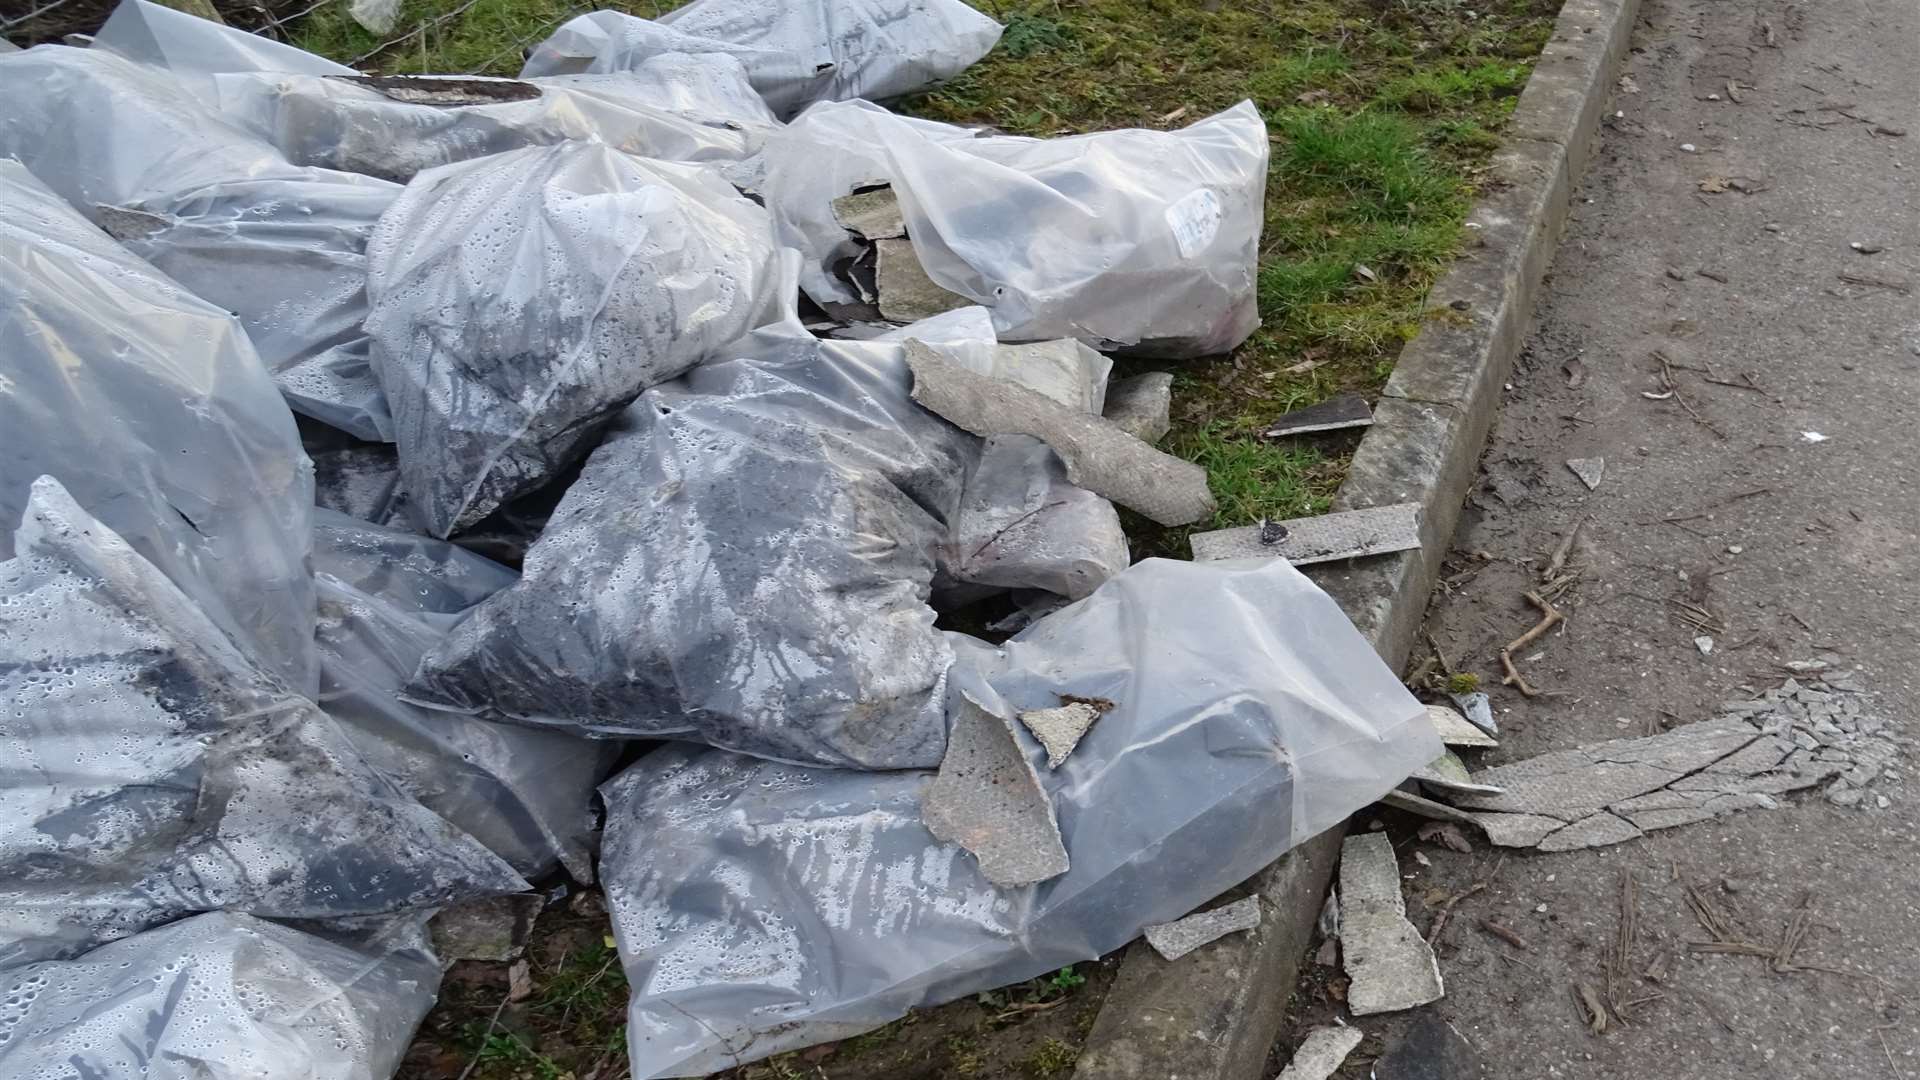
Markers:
(1750, 217)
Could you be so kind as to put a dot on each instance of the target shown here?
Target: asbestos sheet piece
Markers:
(1590, 470)
(903, 289)
(1391, 965)
(1321, 1053)
(874, 214)
(1099, 456)
(1059, 730)
(1349, 534)
(1333, 414)
(1178, 938)
(987, 798)
(1457, 730)
(1448, 775)
(1142, 405)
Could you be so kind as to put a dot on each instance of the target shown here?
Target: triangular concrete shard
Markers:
(1321, 1053)
(987, 798)
(1391, 965)
(1059, 730)
(1590, 470)
(1178, 938)
(1455, 730)
(1349, 534)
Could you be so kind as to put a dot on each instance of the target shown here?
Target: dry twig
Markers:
(1550, 617)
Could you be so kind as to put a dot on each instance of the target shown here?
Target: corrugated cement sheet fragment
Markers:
(1391, 966)
(1059, 730)
(1321, 1053)
(1349, 534)
(1099, 456)
(1178, 938)
(1142, 405)
(1333, 414)
(987, 798)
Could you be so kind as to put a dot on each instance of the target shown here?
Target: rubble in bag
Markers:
(221, 995)
(386, 597)
(519, 301)
(151, 405)
(794, 53)
(1141, 240)
(1178, 938)
(745, 560)
(987, 798)
(1023, 524)
(760, 907)
(1098, 456)
(156, 771)
(215, 208)
(352, 476)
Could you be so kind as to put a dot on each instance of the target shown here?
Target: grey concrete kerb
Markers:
(1214, 1013)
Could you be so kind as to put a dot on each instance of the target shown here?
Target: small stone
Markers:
(1882, 801)
(1730, 885)
(1841, 795)
(519, 981)
(1704, 644)
(1540, 909)
(1734, 549)
(1687, 148)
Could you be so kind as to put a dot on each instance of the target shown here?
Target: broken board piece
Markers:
(1456, 730)
(1427, 808)
(1448, 774)
(1589, 469)
(905, 293)
(1178, 938)
(871, 215)
(1059, 729)
(1321, 1053)
(1349, 534)
(1142, 406)
(1099, 456)
(1334, 414)
(988, 799)
(1390, 964)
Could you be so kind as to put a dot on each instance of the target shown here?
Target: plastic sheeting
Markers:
(745, 560)
(214, 207)
(150, 405)
(219, 995)
(673, 107)
(153, 770)
(519, 301)
(760, 907)
(1142, 240)
(183, 43)
(795, 53)
(385, 598)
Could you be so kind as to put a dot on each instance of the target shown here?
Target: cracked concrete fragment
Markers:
(1059, 729)
(1758, 756)
(1348, 534)
(988, 799)
(1321, 1053)
(1517, 830)
(1457, 730)
(1099, 456)
(1390, 964)
(1178, 938)
(1141, 405)
(904, 291)
(1594, 830)
(871, 215)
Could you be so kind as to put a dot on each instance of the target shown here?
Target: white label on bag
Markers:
(1195, 220)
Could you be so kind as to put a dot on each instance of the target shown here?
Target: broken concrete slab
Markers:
(904, 291)
(1059, 729)
(1455, 730)
(1099, 456)
(1594, 830)
(987, 798)
(1321, 1053)
(1142, 405)
(1348, 534)
(871, 215)
(1390, 964)
(1590, 470)
(1178, 938)
(1430, 1050)
(1337, 413)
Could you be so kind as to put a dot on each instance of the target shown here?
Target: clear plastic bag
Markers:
(150, 404)
(795, 53)
(154, 770)
(163, 37)
(214, 207)
(519, 301)
(220, 995)
(761, 907)
(386, 597)
(745, 560)
(1133, 239)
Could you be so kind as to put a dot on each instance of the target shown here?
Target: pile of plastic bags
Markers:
(612, 461)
